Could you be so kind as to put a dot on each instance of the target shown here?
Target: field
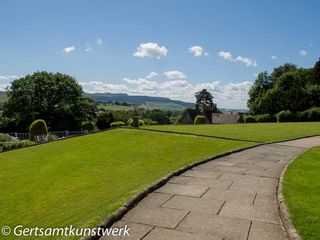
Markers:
(80, 181)
(263, 132)
(302, 193)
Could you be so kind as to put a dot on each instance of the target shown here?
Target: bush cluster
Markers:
(38, 128)
(130, 122)
(250, 119)
(89, 126)
(200, 120)
(118, 124)
(285, 116)
(16, 144)
(104, 120)
(264, 118)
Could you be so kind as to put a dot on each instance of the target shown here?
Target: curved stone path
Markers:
(233, 197)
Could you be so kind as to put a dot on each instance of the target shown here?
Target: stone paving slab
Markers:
(233, 197)
(266, 231)
(230, 196)
(156, 216)
(224, 227)
(165, 234)
(251, 212)
(203, 205)
(186, 190)
(136, 232)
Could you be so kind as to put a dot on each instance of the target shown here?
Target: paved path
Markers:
(233, 197)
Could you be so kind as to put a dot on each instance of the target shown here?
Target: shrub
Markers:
(303, 116)
(89, 126)
(266, 118)
(118, 124)
(150, 122)
(200, 120)
(314, 114)
(38, 128)
(104, 120)
(16, 144)
(130, 122)
(52, 137)
(5, 138)
(250, 119)
(285, 116)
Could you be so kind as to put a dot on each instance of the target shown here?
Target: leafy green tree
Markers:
(205, 104)
(279, 71)
(54, 97)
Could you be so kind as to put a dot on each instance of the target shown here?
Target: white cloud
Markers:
(231, 95)
(69, 49)
(303, 52)
(247, 61)
(3, 86)
(152, 50)
(88, 48)
(8, 77)
(197, 51)
(174, 74)
(99, 41)
(273, 57)
(152, 75)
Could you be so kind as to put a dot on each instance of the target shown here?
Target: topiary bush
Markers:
(38, 128)
(130, 122)
(89, 126)
(250, 119)
(262, 118)
(285, 116)
(314, 114)
(200, 120)
(104, 120)
(118, 124)
(303, 116)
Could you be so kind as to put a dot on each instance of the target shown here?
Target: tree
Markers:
(316, 71)
(205, 104)
(54, 97)
(279, 71)
(104, 120)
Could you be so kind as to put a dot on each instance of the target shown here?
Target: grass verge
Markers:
(301, 189)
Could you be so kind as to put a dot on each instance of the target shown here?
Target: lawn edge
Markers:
(285, 218)
(132, 202)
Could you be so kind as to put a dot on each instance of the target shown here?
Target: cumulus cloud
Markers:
(174, 74)
(69, 49)
(197, 51)
(273, 57)
(231, 95)
(152, 75)
(3, 86)
(152, 50)
(228, 56)
(8, 77)
(303, 52)
(88, 48)
(99, 41)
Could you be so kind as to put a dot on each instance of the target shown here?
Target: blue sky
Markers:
(113, 46)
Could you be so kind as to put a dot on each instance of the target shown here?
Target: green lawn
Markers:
(264, 132)
(81, 180)
(302, 193)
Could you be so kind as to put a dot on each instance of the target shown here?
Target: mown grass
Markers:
(302, 193)
(80, 181)
(264, 132)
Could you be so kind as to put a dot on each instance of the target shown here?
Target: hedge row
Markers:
(310, 115)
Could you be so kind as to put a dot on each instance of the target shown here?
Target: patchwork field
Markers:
(264, 132)
(302, 193)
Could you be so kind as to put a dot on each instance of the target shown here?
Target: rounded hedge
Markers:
(264, 118)
(200, 120)
(89, 126)
(250, 119)
(38, 128)
(314, 114)
(285, 116)
(118, 124)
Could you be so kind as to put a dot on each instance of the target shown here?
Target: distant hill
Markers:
(143, 101)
